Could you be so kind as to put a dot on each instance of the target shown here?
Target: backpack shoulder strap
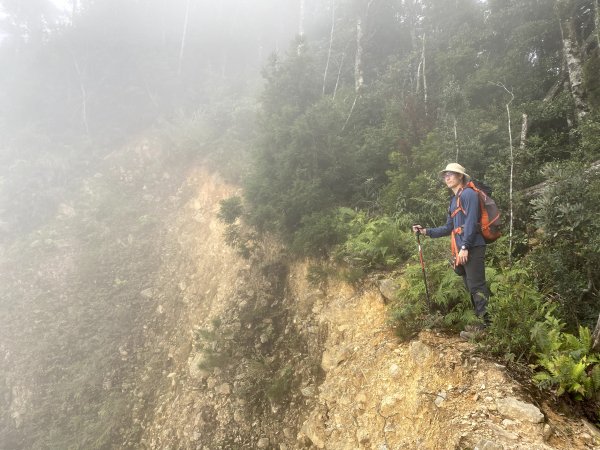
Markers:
(458, 205)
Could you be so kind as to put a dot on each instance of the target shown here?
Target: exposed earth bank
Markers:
(128, 322)
(265, 360)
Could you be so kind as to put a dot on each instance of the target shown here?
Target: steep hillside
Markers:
(264, 360)
(128, 322)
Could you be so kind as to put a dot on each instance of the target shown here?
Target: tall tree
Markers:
(569, 22)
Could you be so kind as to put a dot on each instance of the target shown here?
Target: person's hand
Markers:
(463, 256)
(419, 229)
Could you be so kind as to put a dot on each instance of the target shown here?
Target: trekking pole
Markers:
(423, 268)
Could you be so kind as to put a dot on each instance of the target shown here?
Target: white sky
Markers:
(63, 4)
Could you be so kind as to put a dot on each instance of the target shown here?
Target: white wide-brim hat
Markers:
(455, 167)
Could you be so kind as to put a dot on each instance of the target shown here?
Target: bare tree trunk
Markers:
(524, 129)
(456, 138)
(358, 62)
(510, 189)
(339, 74)
(574, 65)
(183, 37)
(301, 26)
(84, 116)
(512, 165)
(419, 77)
(424, 75)
(597, 21)
(330, 43)
(596, 337)
(350, 113)
(358, 71)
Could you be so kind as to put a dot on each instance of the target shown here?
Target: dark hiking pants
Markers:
(474, 280)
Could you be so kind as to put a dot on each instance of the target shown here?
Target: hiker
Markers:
(468, 244)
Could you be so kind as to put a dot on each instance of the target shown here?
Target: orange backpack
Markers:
(490, 220)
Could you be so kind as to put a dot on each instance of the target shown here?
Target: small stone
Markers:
(507, 423)
(585, 437)
(419, 351)
(394, 370)
(387, 405)
(308, 391)
(388, 289)
(363, 436)
(440, 398)
(238, 417)
(361, 400)
(223, 389)
(147, 293)
(547, 432)
(263, 443)
(519, 410)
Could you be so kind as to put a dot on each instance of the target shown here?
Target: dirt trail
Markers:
(432, 393)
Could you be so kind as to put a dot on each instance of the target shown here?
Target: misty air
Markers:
(301, 224)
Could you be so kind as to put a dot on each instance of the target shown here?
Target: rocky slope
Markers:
(263, 360)
(128, 322)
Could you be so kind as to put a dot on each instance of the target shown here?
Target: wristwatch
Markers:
(464, 247)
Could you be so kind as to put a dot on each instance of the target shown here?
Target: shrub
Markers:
(376, 243)
(317, 275)
(515, 306)
(567, 258)
(321, 231)
(230, 209)
(567, 361)
(450, 305)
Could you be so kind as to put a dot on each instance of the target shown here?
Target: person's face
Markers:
(452, 179)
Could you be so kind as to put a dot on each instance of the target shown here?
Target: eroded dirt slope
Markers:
(268, 361)
(128, 322)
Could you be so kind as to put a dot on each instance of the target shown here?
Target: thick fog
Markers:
(104, 105)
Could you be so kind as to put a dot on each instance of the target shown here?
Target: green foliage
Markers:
(376, 243)
(230, 209)
(353, 275)
(565, 360)
(514, 307)
(320, 231)
(450, 304)
(318, 274)
(567, 259)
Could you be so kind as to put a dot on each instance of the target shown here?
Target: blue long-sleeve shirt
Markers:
(471, 234)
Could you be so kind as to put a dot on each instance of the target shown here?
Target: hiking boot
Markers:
(473, 332)
(475, 328)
